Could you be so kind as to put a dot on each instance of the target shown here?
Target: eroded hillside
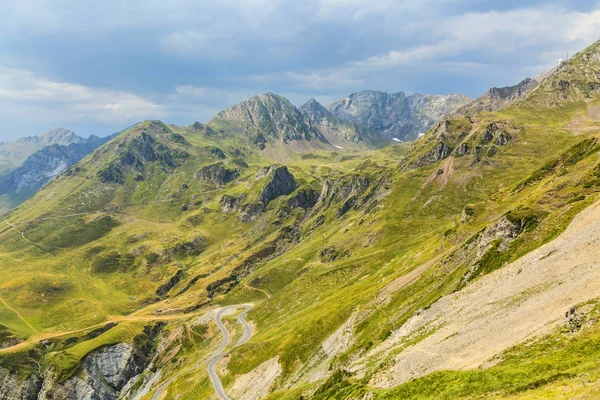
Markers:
(367, 272)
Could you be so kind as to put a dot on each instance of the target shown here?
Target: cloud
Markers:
(114, 62)
(22, 91)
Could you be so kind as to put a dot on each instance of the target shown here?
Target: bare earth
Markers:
(524, 299)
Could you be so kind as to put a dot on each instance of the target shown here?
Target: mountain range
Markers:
(277, 252)
(32, 162)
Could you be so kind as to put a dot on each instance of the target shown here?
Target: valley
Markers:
(277, 252)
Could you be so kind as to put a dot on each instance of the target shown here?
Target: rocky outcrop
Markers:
(396, 115)
(108, 373)
(251, 211)
(217, 173)
(304, 198)
(191, 248)
(335, 129)
(497, 98)
(230, 204)
(280, 183)
(135, 153)
(13, 388)
(257, 384)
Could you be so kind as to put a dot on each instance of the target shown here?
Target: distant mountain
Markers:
(498, 98)
(268, 118)
(44, 165)
(12, 154)
(396, 115)
(337, 131)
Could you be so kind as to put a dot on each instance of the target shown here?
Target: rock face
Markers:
(257, 383)
(497, 98)
(104, 374)
(230, 204)
(251, 211)
(305, 198)
(108, 373)
(45, 165)
(136, 151)
(217, 173)
(281, 183)
(334, 129)
(396, 115)
(12, 154)
(12, 388)
(268, 117)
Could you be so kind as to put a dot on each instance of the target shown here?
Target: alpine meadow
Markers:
(377, 245)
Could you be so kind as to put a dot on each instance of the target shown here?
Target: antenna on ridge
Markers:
(567, 55)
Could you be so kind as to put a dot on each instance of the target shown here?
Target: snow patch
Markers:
(395, 139)
(339, 147)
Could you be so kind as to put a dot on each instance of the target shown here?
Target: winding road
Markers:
(220, 352)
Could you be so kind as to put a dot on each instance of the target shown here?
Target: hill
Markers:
(459, 266)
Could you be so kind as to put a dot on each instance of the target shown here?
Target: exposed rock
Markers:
(250, 212)
(336, 129)
(230, 204)
(217, 173)
(305, 198)
(462, 149)
(396, 115)
(13, 388)
(133, 155)
(281, 183)
(216, 152)
(106, 373)
(330, 254)
(269, 116)
(257, 383)
(13, 154)
(498, 98)
(174, 280)
(504, 230)
(193, 248)
(45, 165)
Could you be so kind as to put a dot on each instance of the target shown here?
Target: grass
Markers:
(110, 246)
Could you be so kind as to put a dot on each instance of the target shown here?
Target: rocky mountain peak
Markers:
(269, 115)
(60, 136)
(395, 115)
(314, 110)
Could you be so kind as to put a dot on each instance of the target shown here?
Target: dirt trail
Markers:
(37, 246)
(255, 288)
(38, 337)
(18, 315)
(522, 300)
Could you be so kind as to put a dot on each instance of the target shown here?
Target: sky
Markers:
(96, 67)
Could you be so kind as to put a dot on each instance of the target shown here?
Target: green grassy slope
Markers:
(138, 231)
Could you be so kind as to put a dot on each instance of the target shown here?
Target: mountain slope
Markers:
(12, 154)
(42, 167)
(337, 131)
(360, 266)
(396, 115)
(497, 98)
